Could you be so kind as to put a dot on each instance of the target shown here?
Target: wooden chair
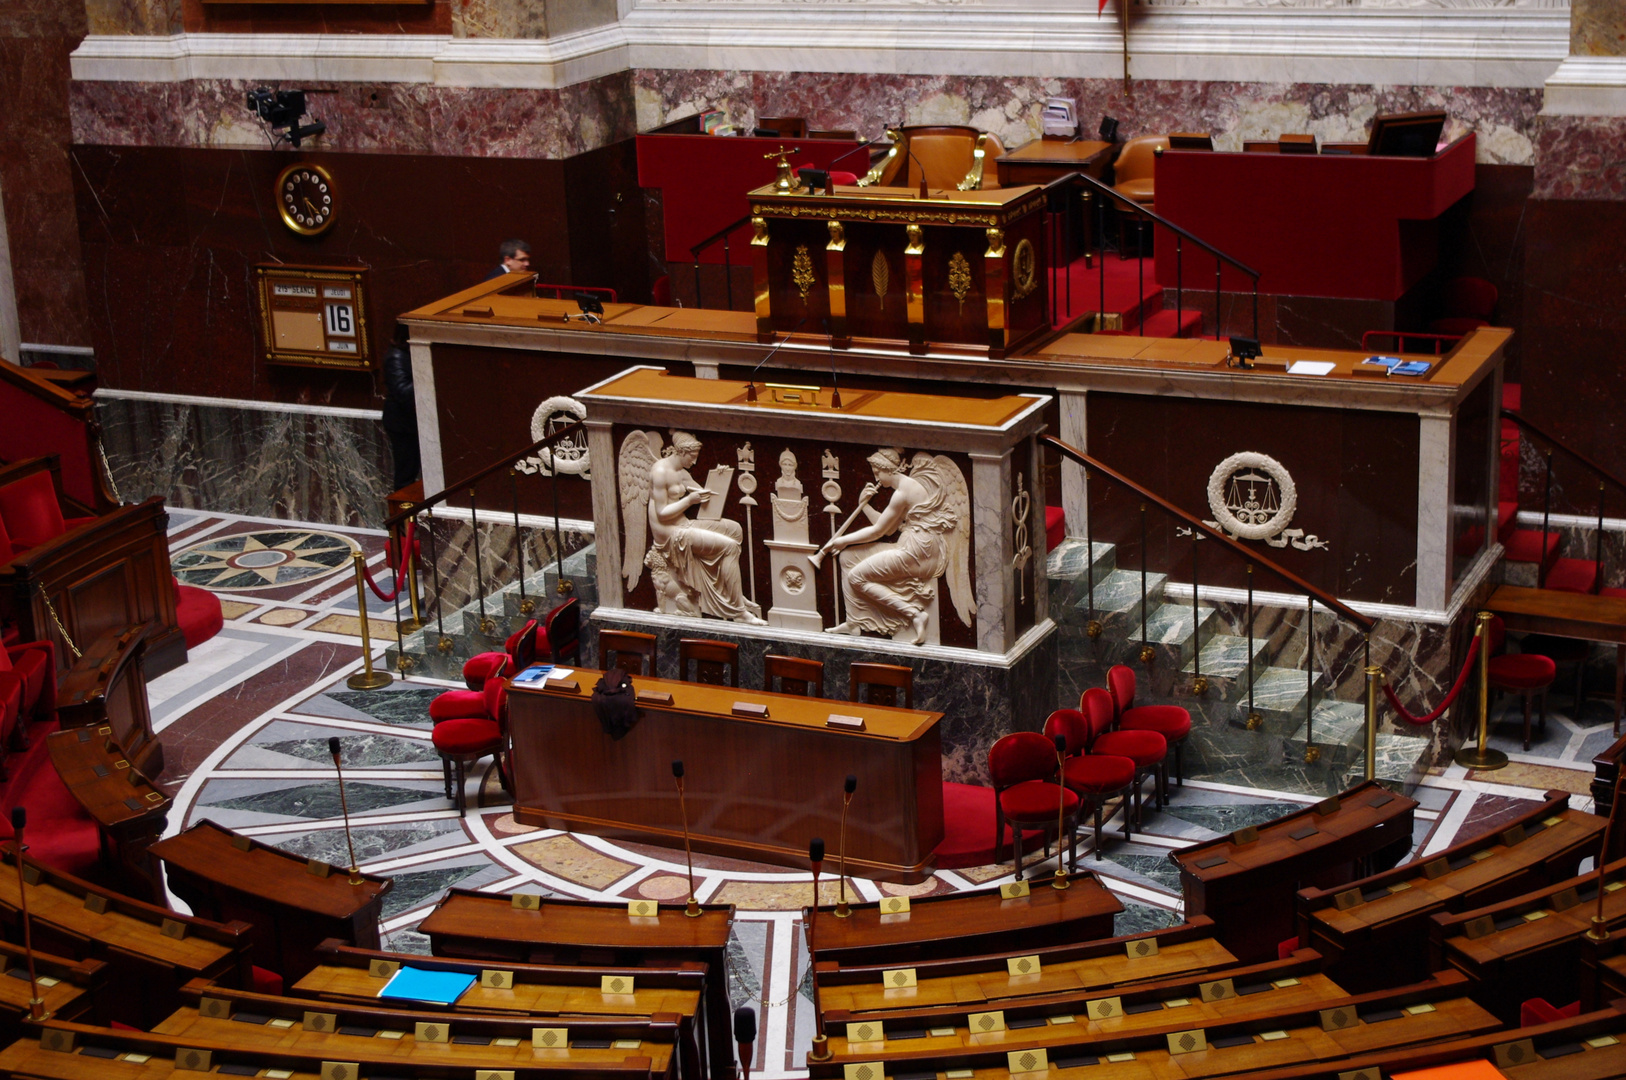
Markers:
(620, 648)
(892, 679)
(795, 675)
(1527, 674)
(715, 662)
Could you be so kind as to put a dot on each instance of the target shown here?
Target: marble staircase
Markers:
(1197, 647)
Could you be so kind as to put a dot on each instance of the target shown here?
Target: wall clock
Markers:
(306, 198)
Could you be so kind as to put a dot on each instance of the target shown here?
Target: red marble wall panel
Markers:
(1581, 157)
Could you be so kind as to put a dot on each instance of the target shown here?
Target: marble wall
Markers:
(331, 467)
(1597, 28)
(1581, 157)
(132, 16)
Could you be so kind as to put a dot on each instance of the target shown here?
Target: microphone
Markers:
(692, 908)
(835, 387)
(344, 808)
(36, 1004)
(1060, 882)
(751, 383)
(866, 144)
(848, 786)
(745, 1033)
(916, 160)
(820, 1050)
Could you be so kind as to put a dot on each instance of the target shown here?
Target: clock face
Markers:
(306, 199)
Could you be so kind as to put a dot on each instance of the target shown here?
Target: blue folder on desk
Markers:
(436, 987)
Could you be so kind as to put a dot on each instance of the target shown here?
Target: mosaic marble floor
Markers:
(245, 725)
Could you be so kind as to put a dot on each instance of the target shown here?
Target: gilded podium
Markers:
(955, 268)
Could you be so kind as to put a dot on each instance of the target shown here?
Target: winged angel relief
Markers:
(695, 564)
(891, 586)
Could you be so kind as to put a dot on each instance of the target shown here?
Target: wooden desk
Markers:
(1247, 888)
(129, 811)
(968, 923)
(107, 686)
(756, 789)
(146, 966)
(225, 876)
(483, 926)
(72, 989)
(1044, 160)
(1567, 614)
(1374, 932)
(1605, 774)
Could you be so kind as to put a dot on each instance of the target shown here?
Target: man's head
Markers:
(516, 255)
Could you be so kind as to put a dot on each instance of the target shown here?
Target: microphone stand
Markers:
(847, 789)
(1599, 930)
(344, 808)
(745, 1034)
(1060, 882)
(751, 383)
(36, 1004)
(820, 1050)
(692, 908)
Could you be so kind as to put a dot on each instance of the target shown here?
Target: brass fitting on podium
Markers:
(843, 911)
(820, 1050)
(1199, 685)
(1255, 721)
(1093, 630)
(692, 909)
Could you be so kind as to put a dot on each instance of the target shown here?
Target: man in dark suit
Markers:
(401, 408)
(516, 258)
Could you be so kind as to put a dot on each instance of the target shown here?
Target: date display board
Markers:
(313, 316)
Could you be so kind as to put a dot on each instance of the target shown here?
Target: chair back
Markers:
(1469, 298)
(563, 630)
(1096, 705)
(795, 675)
(521, 646)
(1019, 757)
(1121, 684)
(1070, 725)
(496, 704)
(788, 127)
(629, 650)
(716, 663)
(1138, 158)
(886, 682)
(1495, 635)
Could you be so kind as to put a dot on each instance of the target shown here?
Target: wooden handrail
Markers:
(79, 405)
(1513, 415)
(1324, 597)
(474, 478)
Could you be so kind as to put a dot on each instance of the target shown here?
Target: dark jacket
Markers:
(400, 403)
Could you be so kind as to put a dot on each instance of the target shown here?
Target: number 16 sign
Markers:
(313, 316)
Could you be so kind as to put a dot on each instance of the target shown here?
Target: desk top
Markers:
(942, 206)
(356, 984)
(467, 914)
(1566, 614)
(217, 854)
(1069, 151)
(784, 710)
(109, 788)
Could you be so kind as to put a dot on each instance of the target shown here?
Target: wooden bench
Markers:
(1374, 932)
(485, 926)
(966, 923)
(1245, 882)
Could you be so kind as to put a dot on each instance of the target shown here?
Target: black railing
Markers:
(725, 235)
(1198, 529)
(1605, 479)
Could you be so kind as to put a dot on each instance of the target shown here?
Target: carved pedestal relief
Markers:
(795, 600)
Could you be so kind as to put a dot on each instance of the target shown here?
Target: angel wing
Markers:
(942, 473)
(639, 452)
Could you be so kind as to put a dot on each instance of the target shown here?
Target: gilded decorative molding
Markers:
(825, 211)
(880, 274)
(801, 271)
(959, 279)
(1024, 270)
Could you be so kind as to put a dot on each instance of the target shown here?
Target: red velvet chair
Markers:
(33, 665)
(465, 740)
(1026, 796)
(31, 512)
(199, 614)
(1170, 721)
(519, 652)
(1095, 778)
(1525, 674)
(1147, 749)
(11, 704)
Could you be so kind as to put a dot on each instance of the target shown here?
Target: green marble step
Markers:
(1068, 581)
(1118, 602)
(1278, 696)
(1175, 630)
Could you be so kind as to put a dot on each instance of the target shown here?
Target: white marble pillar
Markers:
(1436, 480)
(1036, 529)
(11, 340)
(606, 514)
(1075, 496)
(991, 540)
(423, 393)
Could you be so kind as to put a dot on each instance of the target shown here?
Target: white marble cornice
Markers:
(1587, 86)
(1503, 47)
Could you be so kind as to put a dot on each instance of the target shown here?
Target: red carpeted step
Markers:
(1512, 395)
(1507, 520)
(1055, 527)
(968, 828)
(1525, 546)
(1571, 575)
(1164, 324)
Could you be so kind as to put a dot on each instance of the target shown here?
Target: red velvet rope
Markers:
(401, 573)
(1462, 680)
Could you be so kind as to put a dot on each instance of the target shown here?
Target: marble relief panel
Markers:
(1581, 157)
(1597, 28)
(160, 17)
(1504, 119)
(363, 117)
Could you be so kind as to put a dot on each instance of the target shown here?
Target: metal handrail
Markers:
(1551, 440)
(722, 234)
(1321, 596)
(469, 481)
(1167, 224)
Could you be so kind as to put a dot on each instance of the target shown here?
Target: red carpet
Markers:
(968, 827)
(59, 832)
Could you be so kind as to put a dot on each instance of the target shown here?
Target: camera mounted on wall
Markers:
(281, 111)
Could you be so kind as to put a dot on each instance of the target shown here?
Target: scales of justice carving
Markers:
(1252, 497)
(567, 458)
(886, 587)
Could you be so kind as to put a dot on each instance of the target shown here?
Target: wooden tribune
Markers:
(757, 789)
(127, 807)
(294, 904)
(107, 687)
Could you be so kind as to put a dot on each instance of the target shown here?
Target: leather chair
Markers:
(1525, 674)
(952, 156)
(462, 742)
(1147, 749)
(891, 680)
(1170, 721)
(1027, 797)
(1133, 173)
(629, 650)
(1095, 778)
(794, 675)
(716, 663)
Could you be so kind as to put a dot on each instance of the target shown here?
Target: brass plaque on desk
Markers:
(1140, 948)
(643, 909)
(1104, 1008)
(866, 1031)
(432, 1033)
(497, 980)
(172, 928)
(552, 1038)
(653, 697)
(383, 969)
(95, 903)
(898, 978)
(983, 1023)
(1187, 1042)
(524, 901)
(895, 905)
(616, 984)
(1218, 990)
(1026, 1061)
(1013, 890)
(192, 1060)
(341, 1070)
(1023, 965)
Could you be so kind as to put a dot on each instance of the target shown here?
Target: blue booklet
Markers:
(436, 987)
(1398, 365)
(534, 674)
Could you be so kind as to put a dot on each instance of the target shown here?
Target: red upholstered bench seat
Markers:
(198, 611)
(60, 833)
(31, 514)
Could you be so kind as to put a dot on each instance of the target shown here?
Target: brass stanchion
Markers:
(366, 679)
(1374, 679)
(1483, 758)
(1059, 881)
(409, 553)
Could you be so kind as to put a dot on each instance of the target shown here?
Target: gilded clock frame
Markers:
(282, 207)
